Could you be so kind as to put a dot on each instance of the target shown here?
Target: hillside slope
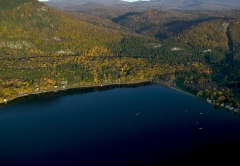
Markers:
(32, 27)
(42, 50)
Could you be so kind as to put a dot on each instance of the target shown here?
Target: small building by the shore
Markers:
(231, 108)
(237, 110)
(209, 100)
(227, 107)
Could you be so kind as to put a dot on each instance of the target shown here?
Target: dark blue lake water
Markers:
(121, 126)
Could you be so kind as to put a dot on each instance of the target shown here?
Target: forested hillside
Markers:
(235, 34)
(103, 22)
(32, 27)
(42, 49)
(167, 23)
(211, 38)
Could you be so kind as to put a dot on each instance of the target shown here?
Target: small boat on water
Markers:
(200, 128)
(137, 114)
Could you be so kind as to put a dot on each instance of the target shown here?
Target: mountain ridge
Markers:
(164, 4)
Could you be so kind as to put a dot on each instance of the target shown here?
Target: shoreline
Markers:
(90, 86)
(180, 90)
(100, 86)
(74, 87)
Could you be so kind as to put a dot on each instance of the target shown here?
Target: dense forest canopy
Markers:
(43, 49)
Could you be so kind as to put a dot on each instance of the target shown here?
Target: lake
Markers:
(123, 125)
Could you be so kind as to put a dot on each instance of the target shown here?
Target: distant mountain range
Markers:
(61, 4)
(79, 2)
(166, 4)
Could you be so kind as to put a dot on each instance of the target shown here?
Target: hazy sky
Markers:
(134, 0)
(130, 0)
